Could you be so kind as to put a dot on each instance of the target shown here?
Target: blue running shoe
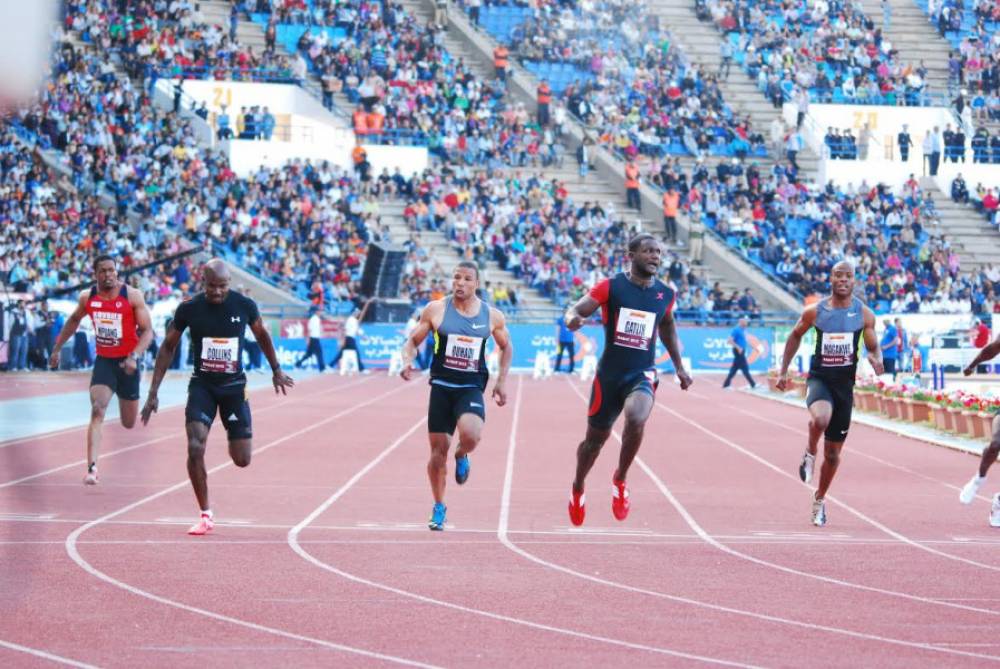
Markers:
(437, 519)
(462, 468)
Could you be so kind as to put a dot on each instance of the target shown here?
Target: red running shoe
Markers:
(620, 503)
(577, 510)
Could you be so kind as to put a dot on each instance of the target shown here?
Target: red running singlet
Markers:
(114, 324)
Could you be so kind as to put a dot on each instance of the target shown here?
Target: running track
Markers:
(325, 559)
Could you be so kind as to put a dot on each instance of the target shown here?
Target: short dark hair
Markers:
(636, 242)
(102, 258)
(468, 264)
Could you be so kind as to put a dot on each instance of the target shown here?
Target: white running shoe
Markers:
(819, 512)
(806, 467)
(995, 511)
(91, 477)
(971, 488)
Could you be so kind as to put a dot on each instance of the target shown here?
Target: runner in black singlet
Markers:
(841, 321)
(217, 319)
(461, 325)
(635, 309)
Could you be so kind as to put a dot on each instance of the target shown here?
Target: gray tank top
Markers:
(838, 335)
(460, 348)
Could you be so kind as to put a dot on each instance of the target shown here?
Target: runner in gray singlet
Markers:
(841, 321)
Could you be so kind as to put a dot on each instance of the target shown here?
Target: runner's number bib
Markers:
(461, 353)
(837, 349)
(220, 354)
(634, 328)
(108, 328)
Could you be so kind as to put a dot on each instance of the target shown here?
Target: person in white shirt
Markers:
(314, 329)
(352, 327)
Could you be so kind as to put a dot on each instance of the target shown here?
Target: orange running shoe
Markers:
(577, 508)
(620, 503)
(203, 526)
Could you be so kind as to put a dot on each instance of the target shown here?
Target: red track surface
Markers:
(331, 564)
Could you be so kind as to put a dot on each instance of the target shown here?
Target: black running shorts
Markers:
(840, 395)
(109, 372)
(447, 405)
(231, 402)
(609, 392)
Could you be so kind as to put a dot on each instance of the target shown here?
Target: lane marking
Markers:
(45, 655)
(295, 544)
(72, 540)
(844, 505)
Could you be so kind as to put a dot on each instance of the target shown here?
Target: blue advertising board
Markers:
(705, 348)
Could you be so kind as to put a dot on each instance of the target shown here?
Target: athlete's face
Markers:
(646, 260)
(106, 275)
(216, 287)
(464, 282)
(842, 281)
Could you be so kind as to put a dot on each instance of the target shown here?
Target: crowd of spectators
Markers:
(832, 50)
(636, 91)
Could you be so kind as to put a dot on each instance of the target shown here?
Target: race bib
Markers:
(461, 353)
(634, 328)
(108, 328)
(837, 349)
(220, 354)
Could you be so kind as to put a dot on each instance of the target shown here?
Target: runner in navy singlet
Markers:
(841, 321)
(635, 309)
(461, 325)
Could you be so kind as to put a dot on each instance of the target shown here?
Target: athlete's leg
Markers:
(638, 406)
(470, 429)
(128, 410)
(587, 452)
(991, 452)
(197, 435)
(100, 396)
(831, 460)
(437, 466)
(820, 413)
(240, 451)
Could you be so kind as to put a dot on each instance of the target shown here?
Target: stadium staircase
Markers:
(701, 42)
(721, 263)
(977, 243)
(252, 34)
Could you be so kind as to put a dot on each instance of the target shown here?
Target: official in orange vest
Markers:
(360, 122)
(671, 204)
(632, 185)
(544, 94)
(500, 57)
(375, 121)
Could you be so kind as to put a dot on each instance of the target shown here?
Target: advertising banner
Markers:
(706, 348)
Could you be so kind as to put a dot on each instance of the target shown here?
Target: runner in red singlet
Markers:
(124, 332)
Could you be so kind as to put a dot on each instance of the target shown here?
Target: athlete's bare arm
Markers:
(72, 323)
(577, 314)
(498, 328)
(806, 321)
(280, 380)
(364, 309)
(163, 358)
(432, 314)
(986, 353)
(871, 342)
(143, 324)
(668, 335)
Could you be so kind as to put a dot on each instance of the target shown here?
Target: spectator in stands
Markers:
(959, 190)
(632, 185)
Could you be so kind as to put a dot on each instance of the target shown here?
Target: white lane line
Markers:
(721, 608)
(73, 538)
(844, 505)
(296, 545)
(853, 450)
(45, 655)
(173, 435)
